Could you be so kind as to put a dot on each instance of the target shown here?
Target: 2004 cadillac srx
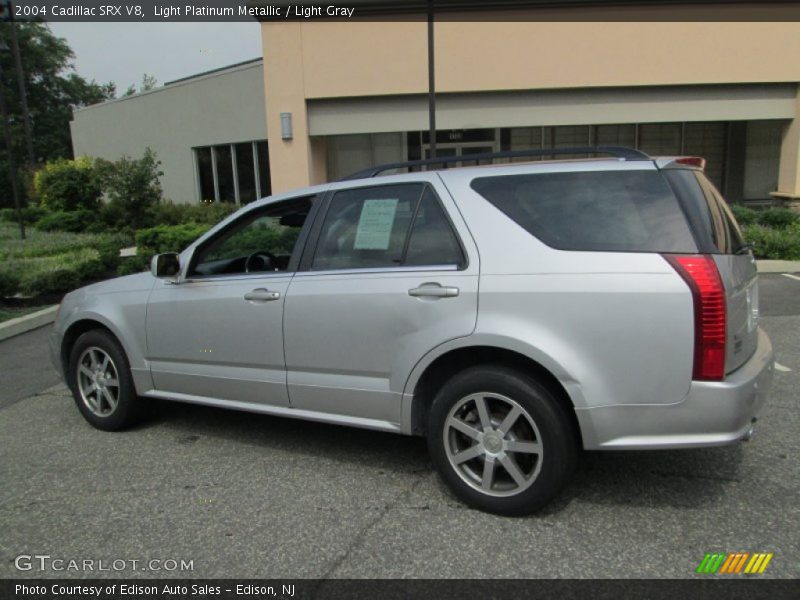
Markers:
(512, 313)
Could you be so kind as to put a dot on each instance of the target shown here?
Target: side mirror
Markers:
(165, 266)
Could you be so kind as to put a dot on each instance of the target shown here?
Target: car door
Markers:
(218, 332)
(391, 273)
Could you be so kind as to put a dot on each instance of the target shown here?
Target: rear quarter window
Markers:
(605, 211)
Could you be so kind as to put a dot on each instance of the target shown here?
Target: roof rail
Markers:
(616, 151)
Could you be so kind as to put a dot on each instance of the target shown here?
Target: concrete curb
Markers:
(24, 324)
(778, 266)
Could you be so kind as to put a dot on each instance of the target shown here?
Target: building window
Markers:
(237, 173)
(762, 158)
(205, 174)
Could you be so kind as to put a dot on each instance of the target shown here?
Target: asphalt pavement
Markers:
(244, 495)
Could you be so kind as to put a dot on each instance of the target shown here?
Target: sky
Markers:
(123, 52)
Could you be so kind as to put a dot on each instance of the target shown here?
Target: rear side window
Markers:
(605, 211)
(725, 230)
(716, 229)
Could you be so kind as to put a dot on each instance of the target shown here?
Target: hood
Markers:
(128, 283)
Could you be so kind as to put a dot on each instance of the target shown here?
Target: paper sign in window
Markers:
(375, 224)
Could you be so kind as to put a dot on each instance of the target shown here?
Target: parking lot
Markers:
(243, 495)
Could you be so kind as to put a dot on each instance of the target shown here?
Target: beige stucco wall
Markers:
(222, 107)
(365, 59)
(314, 62)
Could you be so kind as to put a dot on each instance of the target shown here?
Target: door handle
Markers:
(261, 295)
(433, 290)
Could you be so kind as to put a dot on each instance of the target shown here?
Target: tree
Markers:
(132, 186)
(54, 89)
(149, 82)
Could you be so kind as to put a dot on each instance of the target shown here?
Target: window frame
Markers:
(310, 248)
(243, 221)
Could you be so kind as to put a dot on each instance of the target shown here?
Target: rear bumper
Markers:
(712, 413)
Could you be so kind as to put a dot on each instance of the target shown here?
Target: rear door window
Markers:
(386, 226)
(605, 211)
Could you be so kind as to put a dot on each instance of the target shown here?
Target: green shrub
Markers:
(68, 185)
(132, 187)
(777, 218)
(9, 282)
(30, 214)
(75, 221)
(133, 264)
(210, 213)
(50, 274)
(55, 262)
(745, 216)
(776, 244)
(169, 238)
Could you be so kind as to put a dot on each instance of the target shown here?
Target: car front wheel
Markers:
(101, 382)
(500, 440)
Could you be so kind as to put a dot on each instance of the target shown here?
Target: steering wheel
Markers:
(251, 263)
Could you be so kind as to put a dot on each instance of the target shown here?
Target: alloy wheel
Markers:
(98, 381)
(493, 444)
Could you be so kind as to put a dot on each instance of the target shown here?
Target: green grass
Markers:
(41, 243)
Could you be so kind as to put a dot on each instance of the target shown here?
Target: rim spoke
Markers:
(86, 370)
(109, 399)
(509, 421)
(90, 390)
(468, 454)
(511, 467)
(93, 358)
(525, 447)
(92, 400)
(488, 473)
(104, 366)
(112, 382)
(483, 413)
(461, 426)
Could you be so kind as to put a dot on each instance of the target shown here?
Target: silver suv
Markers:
(514, 314)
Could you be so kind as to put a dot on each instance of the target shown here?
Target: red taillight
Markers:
(692, 161)
(710, 318)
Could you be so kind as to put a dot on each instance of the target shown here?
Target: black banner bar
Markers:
(712, 586)
(414, 10)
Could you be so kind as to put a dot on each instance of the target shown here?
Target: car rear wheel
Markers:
(500, 440)
(101, 382)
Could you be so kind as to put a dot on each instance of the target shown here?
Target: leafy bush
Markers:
(745, 216)
(169, 238)
(55, 262)
(133, 264)
(9, 282)
(68, 185)
(75, 221)
(210, 213)
(132, 187)
(50, 274)
(777, 218)
(777, 244)
(30, 214)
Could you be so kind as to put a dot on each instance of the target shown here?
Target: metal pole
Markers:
(431, 85)
(23, 94)
(12, 170)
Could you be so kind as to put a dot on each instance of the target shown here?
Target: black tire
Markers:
(546, 423)
(129, 408)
